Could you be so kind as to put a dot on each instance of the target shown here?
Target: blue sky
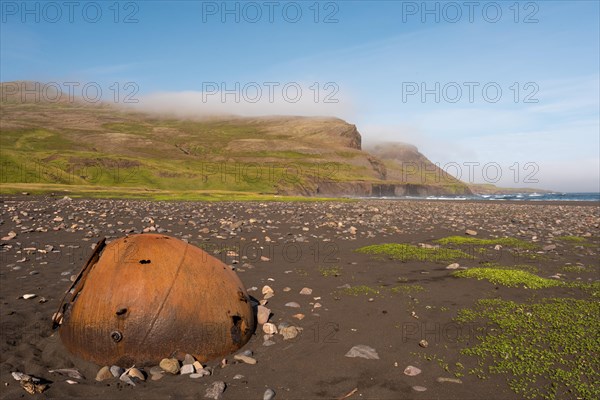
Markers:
(375, 58)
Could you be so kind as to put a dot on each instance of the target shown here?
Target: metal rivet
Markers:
(116, 336)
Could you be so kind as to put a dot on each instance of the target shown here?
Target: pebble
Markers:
(103, 374)
(549, 247)
(170, 365)
(200, 373)
(188, 359)
(289, 332)
(453, 266)
(245, 358)
(187, 369)
(306, 291)
(268, 343)
(263, 314)
(28, 296)
(215, 390)
(238, 376)
(127, 379)
(116, 371)
(269, 328)
(269, 394)
(471, 232)
(419, 388)
(136, 373)
(267, 289)
(363, 351)
(287, 289)
(298, 316)
(412, 371)
(292, 304)
(423, 343)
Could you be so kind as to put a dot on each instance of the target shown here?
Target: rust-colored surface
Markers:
(146, 297)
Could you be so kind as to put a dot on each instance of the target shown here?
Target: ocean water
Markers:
(516, 197)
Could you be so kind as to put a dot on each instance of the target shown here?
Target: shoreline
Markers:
(277, 198)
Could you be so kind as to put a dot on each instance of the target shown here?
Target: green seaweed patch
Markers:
(577, 268)
(359, 290)
(571, 239)
(544, 349)
(521, 267)
(508, 277)
(408, 252)
(407, 289)
(505, 241)
(330, 271)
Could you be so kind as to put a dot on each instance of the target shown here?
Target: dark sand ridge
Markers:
(312, 365)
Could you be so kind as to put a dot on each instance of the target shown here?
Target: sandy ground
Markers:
(306, 242)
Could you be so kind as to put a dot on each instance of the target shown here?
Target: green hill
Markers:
(103, 150)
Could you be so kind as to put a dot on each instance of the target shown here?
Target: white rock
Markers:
(187, 369)
(453, 266)
(306, 291)
(245, 358)
(269, 328)
(290, 332)
(292, 304)
(267, 289)
(263, 314)
(269, 394)
(412, 371)
(363, 351)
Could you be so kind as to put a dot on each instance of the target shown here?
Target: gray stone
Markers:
(215, 390)
(187, 369)
(116, 371)
(189, 359)
(269, 394)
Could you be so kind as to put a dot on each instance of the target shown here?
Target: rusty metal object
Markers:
(145, 297)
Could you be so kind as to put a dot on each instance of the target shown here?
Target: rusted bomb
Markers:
(145, 297)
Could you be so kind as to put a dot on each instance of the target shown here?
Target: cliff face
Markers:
(282, 155)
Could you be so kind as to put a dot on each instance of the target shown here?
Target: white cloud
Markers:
(252, 99)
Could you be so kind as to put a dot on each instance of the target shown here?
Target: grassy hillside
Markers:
(75, 146)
